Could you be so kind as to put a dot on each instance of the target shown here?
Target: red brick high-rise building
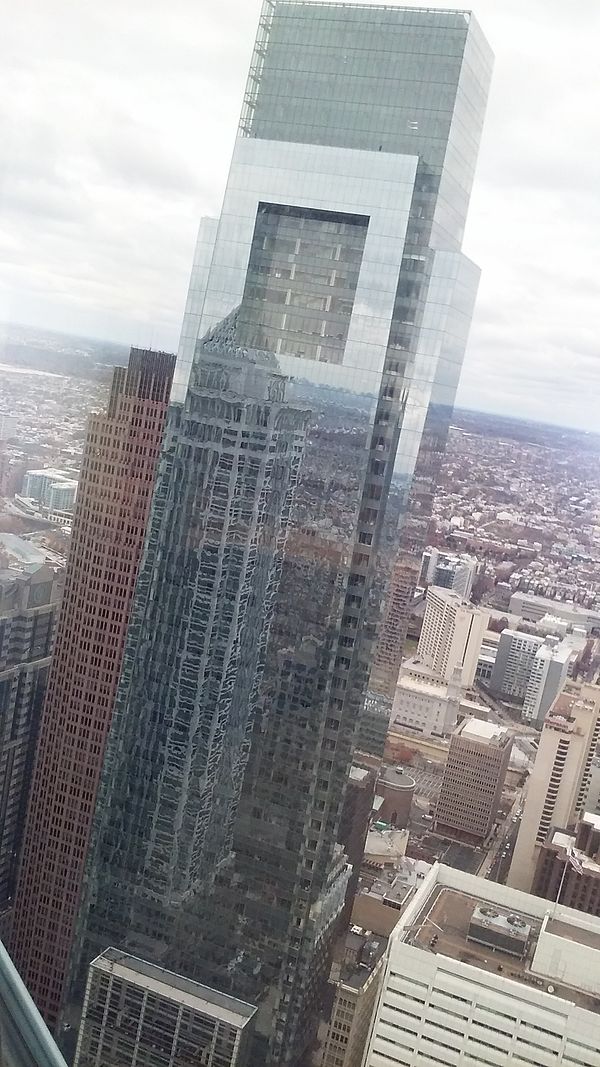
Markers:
(113, 503)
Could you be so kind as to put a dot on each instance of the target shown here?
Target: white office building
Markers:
(451, 635)
(482, 975)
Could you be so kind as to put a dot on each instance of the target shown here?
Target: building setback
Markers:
(321, 349)
(139, 1015)
(29, 600)
(115, 489)
(473, 780)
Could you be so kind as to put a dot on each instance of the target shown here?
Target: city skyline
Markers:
(92, 186)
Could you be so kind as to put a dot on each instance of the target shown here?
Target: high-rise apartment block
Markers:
(549, 673)
(449, 571)
(451, 635)
(322, 343)
(29, 601)
(473, 780)
(477, 973)
(138, 1015)
(568, 866)
(113, 502)
(513, 664)
(559, 782)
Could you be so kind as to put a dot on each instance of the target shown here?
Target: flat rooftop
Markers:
(175, 987)
(447, 913)
(579, 934)
(482, 730)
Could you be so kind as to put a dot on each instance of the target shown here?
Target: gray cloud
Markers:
(117, 123)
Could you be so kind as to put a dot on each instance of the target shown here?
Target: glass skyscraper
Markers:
(323, 337)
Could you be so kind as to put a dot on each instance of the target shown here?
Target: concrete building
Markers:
(592, 801)
(513, 664)
(356, 980)
(136, 1014)
(38, 484)
(533, 608)
(451, 635)
(424, 702)
(568, 866)
(397, 790)
(448, 571)
(480, 973)
(473, 780)
(559, 782)
(549, 672)
(61, 495)
(113, 502)
(380, 899)
(29, 602)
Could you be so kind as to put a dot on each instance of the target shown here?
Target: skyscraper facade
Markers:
(29, 603)
(323, 338)
(113, 502)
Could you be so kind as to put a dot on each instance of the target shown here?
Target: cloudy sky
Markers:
(116, 127)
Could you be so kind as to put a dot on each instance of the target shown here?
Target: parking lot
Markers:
(427, 781)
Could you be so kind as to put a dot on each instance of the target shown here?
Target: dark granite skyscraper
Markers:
(324, 333)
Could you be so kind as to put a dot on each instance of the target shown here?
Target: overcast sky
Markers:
(117, 121)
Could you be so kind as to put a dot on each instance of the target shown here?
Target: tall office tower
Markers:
(473, 780)
(451, 635)
(113, 502)
(513, 663)
(559, 783)
(322, 343)
(136, 1014)
(549, 672)
(480, 974)
(568, 866)
(28, 610)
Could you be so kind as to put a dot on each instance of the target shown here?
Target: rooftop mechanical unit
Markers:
(505, 931)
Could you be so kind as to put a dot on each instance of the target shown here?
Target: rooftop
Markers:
(446, 913)
(482, 730)
(175, 987)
